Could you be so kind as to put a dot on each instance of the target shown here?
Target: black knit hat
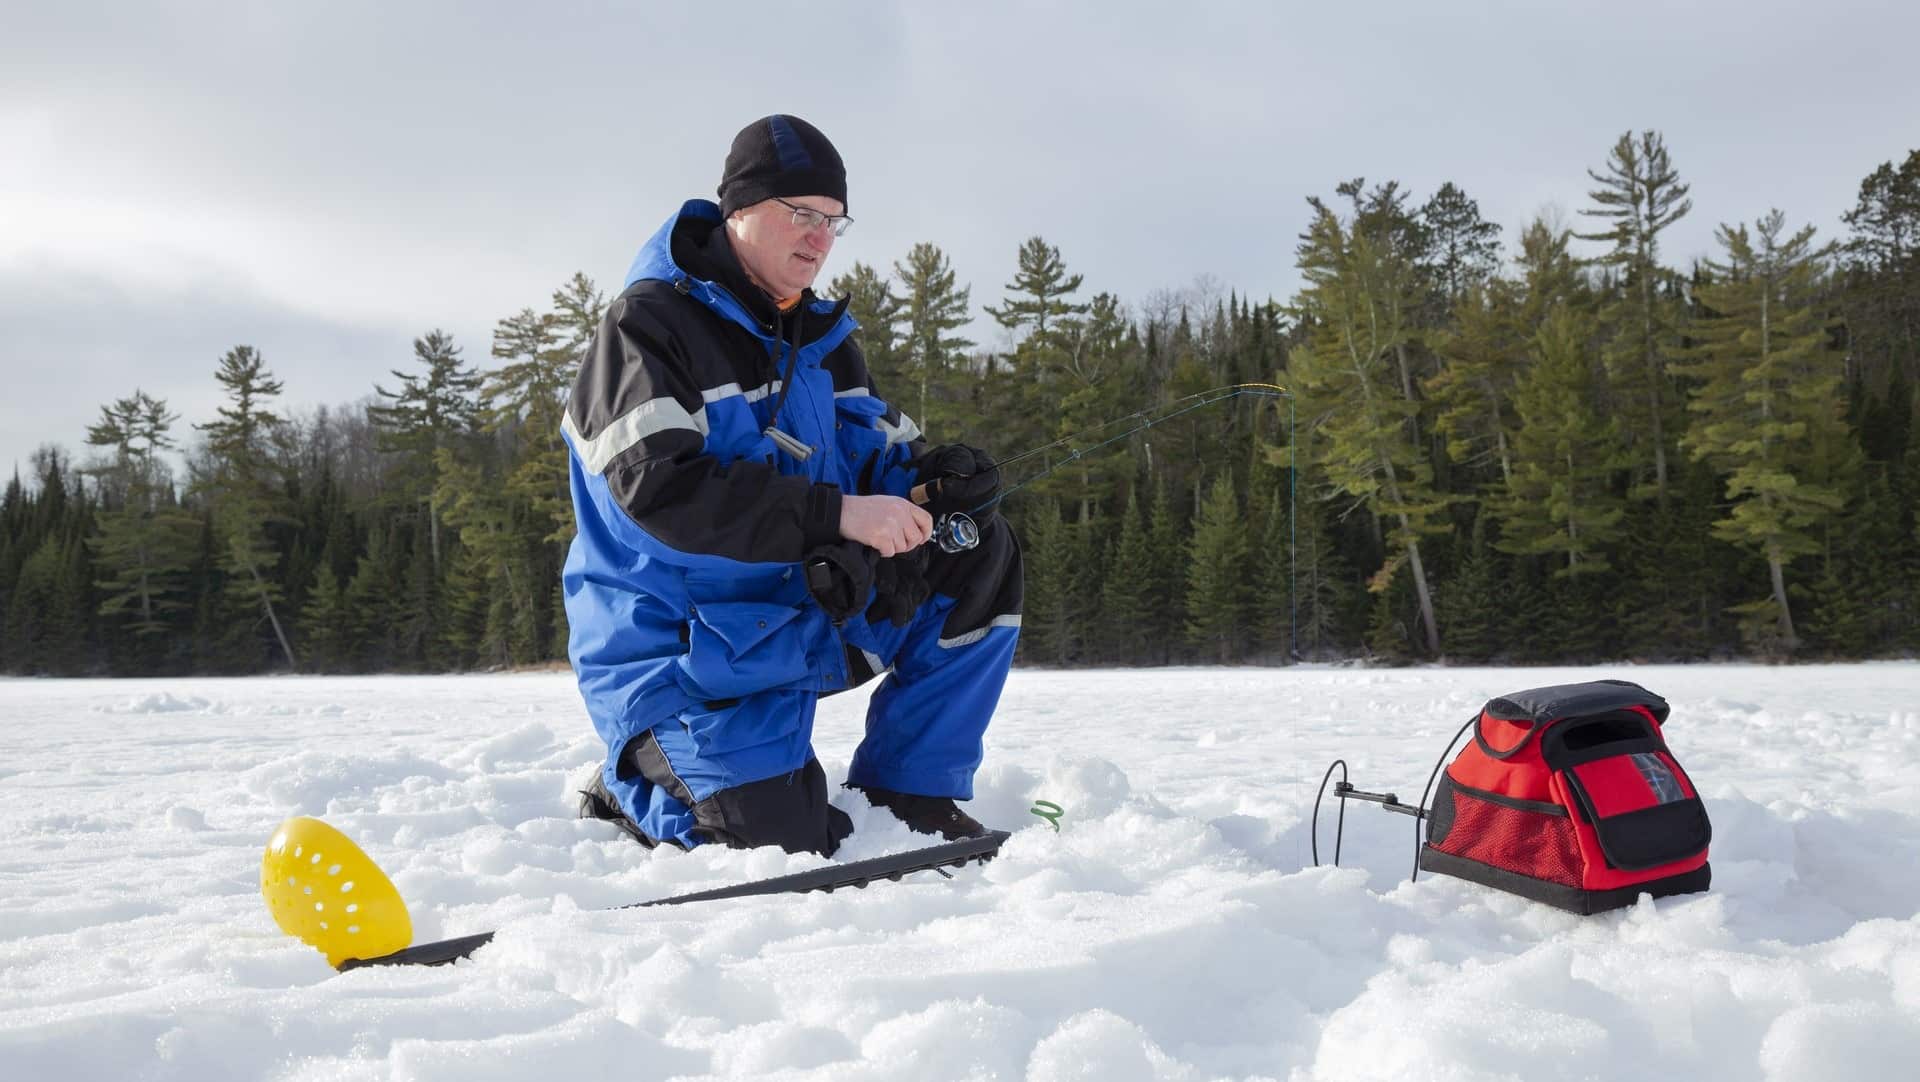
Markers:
(780, 156)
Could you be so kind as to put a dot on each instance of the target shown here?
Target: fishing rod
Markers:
(957, 531)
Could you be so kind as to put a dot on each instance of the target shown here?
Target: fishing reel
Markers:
(956, 532)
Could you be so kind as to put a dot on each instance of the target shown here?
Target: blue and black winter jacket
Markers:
(684, 584)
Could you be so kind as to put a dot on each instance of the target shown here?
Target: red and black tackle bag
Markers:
(1568, 795)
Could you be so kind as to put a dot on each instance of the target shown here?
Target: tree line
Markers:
(1558, 448)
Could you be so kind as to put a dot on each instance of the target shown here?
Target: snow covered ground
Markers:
(1173, 929)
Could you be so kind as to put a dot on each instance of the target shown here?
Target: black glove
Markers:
(839, 576)
(900, 587)
(957, 478)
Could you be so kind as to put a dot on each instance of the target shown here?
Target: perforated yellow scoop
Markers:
(324, 891)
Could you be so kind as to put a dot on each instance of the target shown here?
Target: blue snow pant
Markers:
(925, 724)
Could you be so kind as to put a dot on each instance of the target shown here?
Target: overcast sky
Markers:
(327, 181)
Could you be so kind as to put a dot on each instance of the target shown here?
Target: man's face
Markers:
(780, 257)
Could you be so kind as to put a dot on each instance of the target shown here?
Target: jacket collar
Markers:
(689, 251)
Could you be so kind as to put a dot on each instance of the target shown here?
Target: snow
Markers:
(1172, 929)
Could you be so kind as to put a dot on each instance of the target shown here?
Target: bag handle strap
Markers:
(1480, 740)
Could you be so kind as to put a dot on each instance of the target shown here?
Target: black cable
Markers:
(1437, 763)
(1340, 824)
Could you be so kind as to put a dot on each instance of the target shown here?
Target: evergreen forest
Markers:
(1556, 447)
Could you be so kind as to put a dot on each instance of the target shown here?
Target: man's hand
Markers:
(888, 525)
(900, 587)
(955, 477)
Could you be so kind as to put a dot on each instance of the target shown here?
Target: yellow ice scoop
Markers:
(331, 896)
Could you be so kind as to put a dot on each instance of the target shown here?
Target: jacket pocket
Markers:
(725, 726)
(859, 443)
(737, 648)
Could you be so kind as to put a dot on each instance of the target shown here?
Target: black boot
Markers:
(925, 814)
(597, 803)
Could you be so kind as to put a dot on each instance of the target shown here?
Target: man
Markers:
(747, 543)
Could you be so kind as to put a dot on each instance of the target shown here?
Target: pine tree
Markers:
(1465, 248)
(560, 633)
(31, 601)
(1393, 619)
(240, 489)
(529, 520)
(1404, 244)
(879, 311)
(13, 522)
(1472, 394)
(223, 637)
(1673, 564)
(1641, 195)
(372, 600)
(1217, 578)
(1885, 420)
(1572, 623)
(45, 625)
(1560, 502)
(325, 625)
(1046, 324)
(1271, 526)
(469, 587)
(523, 401)
(421, 622)
(1362, 286)
(1523, 599)
(1767, 412)
(1473, 606)
(496, 565)
(431, 410)
(145, 544)
(1866, 601)
(1905, 487)
(20, 537)
(1037, 303)
(1126, 595)
(50, 511)
(578, 308)
(1167, 541)
(1882, 296)
(1549, 275)
(1839, 620)
(9, 574)
(1094, 381)
(932, 308)
(1052, 622)
(325, 530)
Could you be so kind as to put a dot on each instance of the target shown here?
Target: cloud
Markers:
(326, 181)
(72, 340)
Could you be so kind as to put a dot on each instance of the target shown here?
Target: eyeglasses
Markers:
(810, 219)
